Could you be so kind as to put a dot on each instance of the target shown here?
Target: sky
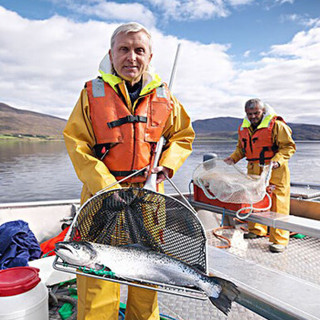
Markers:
(230, 51)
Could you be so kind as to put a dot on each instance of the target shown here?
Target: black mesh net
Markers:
(133, 215)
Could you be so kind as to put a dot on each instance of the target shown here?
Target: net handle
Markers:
(151, 183)
(181, 195)
(122, 180)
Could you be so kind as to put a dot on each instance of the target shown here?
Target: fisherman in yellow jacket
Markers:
(110, 134)
(264, 138)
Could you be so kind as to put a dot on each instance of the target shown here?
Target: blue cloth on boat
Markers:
(18, 244)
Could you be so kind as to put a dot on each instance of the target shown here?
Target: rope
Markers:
(102, 272)
(166, 317)
(46, 254)
(219, 236)
(121, 314)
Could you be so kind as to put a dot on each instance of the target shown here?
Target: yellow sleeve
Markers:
(282, 138)
(79, 139)
(238, 153)
(179, 136)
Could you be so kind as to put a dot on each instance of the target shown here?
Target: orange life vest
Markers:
(259, 146)
(125, 141)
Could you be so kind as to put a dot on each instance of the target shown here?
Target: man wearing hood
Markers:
(112, 133)
(264, 138)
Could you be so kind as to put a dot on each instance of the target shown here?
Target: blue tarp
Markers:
(18, 244)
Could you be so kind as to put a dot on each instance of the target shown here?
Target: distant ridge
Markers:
(226, 124)
(19, 122)
(227, 127)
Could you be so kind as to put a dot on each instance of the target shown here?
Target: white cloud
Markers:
(247, 53)
(290, 17)
(287, 77)
(303, 20)
(190, 9)
(240, 2)
(285, 1)
(44, 64)
(115, 11)
(305, 45)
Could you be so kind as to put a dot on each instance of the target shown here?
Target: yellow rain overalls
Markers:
(99, 299)
(280, 177)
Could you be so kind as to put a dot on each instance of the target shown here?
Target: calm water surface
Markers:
(32, 171)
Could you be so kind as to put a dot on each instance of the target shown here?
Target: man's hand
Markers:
(117, 197)
(161, 172)
(228, 160)
(275, 164)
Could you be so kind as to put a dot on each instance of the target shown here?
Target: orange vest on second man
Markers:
(125, 141)
(258, 146)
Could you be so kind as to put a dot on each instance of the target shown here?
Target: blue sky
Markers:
(231, 50)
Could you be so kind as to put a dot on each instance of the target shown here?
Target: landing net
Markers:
(133, 215)
(228, 183)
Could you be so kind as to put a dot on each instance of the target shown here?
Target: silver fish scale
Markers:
(301, 259)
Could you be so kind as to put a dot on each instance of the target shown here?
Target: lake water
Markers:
(33, 171)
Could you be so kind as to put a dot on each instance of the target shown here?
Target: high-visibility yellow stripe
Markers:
(113, 80)
(264, 123)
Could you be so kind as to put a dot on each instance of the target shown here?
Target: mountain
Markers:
(17, 122)
(226, 128)
(222, 124)
(217, 128)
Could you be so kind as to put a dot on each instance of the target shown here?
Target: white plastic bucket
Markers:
(22, 295)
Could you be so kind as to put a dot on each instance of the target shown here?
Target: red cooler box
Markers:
(199, 196)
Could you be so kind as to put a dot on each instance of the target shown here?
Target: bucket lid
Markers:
(18, 280)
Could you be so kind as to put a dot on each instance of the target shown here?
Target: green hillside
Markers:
(27, 124)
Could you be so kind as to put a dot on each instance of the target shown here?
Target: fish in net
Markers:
(140, 216)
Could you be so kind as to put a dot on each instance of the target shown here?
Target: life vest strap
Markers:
(259, 159)
(127, 119)
(127, 173)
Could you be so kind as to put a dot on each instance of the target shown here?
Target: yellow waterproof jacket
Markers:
(281, 136)
(80, 139)
(280, 177)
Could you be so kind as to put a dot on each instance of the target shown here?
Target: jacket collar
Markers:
(150, 79)
(269, 115)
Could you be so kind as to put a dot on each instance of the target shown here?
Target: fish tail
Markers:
(226, 296)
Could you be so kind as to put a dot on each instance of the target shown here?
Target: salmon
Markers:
(139, 262)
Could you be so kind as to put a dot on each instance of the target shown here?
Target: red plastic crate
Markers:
(199, 196)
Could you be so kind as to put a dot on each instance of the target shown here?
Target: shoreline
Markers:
(28, 138)
(41, 138)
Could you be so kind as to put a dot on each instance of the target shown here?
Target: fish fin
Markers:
(199, 267)
(227, 295)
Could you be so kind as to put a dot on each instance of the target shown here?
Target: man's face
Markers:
(131, 55)
(254, 115)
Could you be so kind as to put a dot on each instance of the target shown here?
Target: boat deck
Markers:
(300, 260)
(280, 286)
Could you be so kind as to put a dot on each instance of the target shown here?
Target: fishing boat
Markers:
(272, 286)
